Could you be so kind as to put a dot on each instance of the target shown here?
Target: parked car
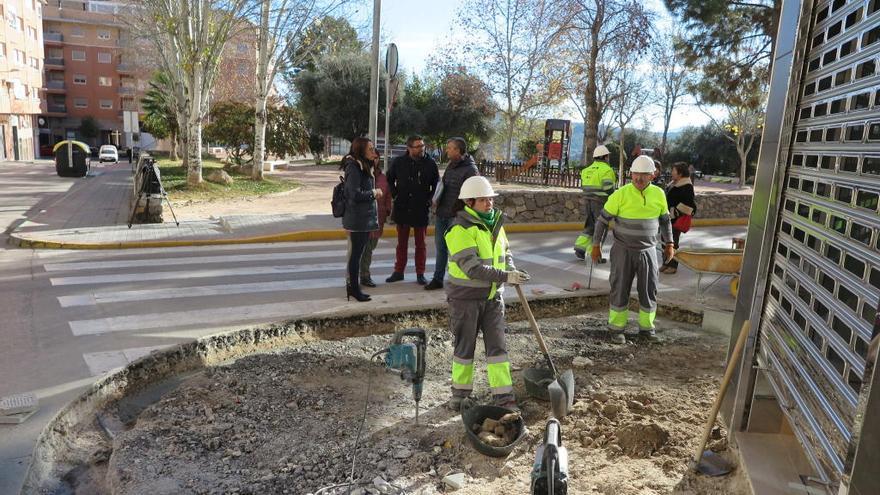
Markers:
(108, 153)
(698, 174)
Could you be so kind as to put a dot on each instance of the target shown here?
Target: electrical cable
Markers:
(351, 483)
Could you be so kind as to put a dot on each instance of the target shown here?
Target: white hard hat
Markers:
(643, 164)
(476, 187)
(600, 150)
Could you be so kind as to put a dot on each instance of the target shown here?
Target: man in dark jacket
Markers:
(412, 179)
(461, 167)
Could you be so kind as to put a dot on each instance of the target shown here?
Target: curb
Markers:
(314, 235)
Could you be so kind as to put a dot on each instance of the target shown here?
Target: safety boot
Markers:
(649, 335)
(617, 336)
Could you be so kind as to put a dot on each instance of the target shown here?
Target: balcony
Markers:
(55, 108)
(126, 90)
(53, 63)
(124, 68)
(55, 86)
(53, 37)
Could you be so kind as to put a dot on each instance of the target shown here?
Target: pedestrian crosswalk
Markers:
(126, 304)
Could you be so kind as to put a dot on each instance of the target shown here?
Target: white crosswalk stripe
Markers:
(235, 258)
(107, 297)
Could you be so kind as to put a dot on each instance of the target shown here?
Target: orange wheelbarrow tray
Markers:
(713, 261)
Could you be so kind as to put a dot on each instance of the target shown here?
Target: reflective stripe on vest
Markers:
(472, 244)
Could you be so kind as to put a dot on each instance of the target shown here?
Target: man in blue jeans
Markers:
(461, 167)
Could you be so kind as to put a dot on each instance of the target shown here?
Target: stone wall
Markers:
(528, 205)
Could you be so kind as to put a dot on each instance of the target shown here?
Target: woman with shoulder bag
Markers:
(361, 212)
(682, 208)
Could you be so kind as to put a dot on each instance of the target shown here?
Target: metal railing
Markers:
(538, 175)
(57, 108)
(123, 90)
(124, 68)
(55, 84)
(53, 37)
(53, 61)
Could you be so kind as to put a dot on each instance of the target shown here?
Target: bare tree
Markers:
(514, 52)
(631, 101)
(601, 27)
(281, 45)
(671, 79)
(188, 37)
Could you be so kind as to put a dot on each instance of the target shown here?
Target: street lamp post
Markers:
(374, 72)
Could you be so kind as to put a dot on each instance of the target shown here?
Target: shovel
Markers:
(561, 389)
(708, 462)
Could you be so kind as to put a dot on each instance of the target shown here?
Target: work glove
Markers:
(517, 277)
(596, 254)
(668, 253)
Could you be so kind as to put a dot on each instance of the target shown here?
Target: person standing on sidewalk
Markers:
(598, 182)
(480, 263)
(361, 215)
(412, 179)
(640, 213)
(682, 203)
(460, 168)
(383, 210)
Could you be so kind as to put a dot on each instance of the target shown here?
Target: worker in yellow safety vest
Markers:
(479, 264)
(640, 213)
(597, 182)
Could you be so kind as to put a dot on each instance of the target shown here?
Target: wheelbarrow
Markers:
(713, 261)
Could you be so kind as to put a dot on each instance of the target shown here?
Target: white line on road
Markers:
(224, 272)
(199, 260)
(95, 298)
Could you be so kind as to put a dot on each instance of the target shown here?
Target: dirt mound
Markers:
(641, 439)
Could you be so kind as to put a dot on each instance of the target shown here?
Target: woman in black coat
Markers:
(680, 198)
(361, 213)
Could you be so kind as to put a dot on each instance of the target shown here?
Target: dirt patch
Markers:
(311, 197)
(286, 422)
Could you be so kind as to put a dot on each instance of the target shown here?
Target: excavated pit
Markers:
(286, 421)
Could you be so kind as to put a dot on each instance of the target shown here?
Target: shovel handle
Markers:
(534, 325)
(731, 366)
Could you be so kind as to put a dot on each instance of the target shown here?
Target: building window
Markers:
(80, 102)
(79, 79)
(77, 32)
(32, 33)
(2, 50)
(105, 81)
(104, 58)
(35, 63)
(19, 57)
(103, 34)
(78, 55)
(107, 104)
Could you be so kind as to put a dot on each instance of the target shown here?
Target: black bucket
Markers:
(476, 414)
(537, 380)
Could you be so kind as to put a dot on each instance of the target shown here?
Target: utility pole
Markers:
(374, 72)
(390, 92)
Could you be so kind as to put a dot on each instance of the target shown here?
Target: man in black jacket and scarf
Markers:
(412, 179)
(461, 167)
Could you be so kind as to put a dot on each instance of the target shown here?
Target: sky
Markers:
(418, 27)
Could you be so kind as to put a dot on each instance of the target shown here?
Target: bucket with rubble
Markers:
(493, 430)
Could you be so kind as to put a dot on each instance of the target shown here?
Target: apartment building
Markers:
(89, 72)
(21, 61)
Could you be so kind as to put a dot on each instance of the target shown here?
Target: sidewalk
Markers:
(93, 214)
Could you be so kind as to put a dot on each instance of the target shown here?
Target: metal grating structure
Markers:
(817, 298)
